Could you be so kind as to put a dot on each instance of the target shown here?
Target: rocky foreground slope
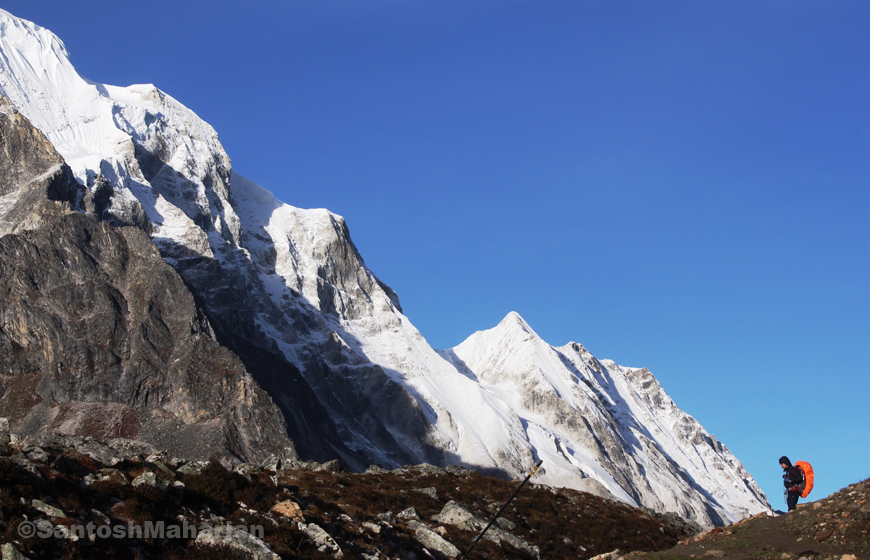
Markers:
(74, 497)
(833, 528)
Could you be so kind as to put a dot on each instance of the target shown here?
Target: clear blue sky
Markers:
(678, 185)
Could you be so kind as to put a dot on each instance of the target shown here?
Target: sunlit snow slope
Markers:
(288, 291)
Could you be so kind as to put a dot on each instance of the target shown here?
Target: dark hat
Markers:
(784, 461)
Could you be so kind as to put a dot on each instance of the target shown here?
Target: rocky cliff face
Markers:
(286, 290)
(36, 187)
(99, 336)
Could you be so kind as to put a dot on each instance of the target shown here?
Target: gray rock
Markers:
(272, 462)
(97, 451)
(613, 555)
(245, 470)
(160, 466)
(500, 535)
(148, 478)
(36, 454)
(426, 468)
(190, 468)
(5, 434)
(11, 553)
(321, 538)
(43, 507)
(100, 517)
(410, 514)
(432, 540)
(241, 541)
(429, 491)
(330, 466)
(458, 515)
(458, 470)
(25, 464)
(113, 475)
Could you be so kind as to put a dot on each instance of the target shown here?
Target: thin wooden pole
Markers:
(517, 491)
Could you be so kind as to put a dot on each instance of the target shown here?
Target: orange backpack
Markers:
(807, 485)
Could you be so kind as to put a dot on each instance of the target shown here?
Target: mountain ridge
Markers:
(288, 292)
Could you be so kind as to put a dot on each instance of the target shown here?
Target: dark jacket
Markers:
(792, 477)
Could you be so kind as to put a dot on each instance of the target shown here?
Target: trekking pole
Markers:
(517, 491)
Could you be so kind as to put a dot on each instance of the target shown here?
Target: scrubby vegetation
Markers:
(375, 515)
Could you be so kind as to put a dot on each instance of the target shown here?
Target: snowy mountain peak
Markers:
(17, 28)
(514, 322)
(511, 331)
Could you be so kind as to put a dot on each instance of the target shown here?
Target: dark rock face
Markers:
(36, 186)
(99, 336)
(336, 402)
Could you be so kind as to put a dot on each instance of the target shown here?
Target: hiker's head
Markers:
(784, 462)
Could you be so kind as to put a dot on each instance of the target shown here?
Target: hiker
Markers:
(792, 477)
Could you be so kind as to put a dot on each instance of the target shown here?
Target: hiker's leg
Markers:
(792, 500)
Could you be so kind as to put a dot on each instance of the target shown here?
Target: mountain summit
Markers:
(286, 291)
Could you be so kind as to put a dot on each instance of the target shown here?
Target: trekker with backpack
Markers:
(794, 481)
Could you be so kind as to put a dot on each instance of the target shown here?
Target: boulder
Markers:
(458, 515)
(429, 491)
(43, 507)
(150, 479)
(432, 540)
(11, 553)
(410, 514)
(323, 540)
(240, 541)
(330, 466)
(289, 509)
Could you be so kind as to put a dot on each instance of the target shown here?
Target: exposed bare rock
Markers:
(240, 541)
(321, 538)
(289, 509)
(99, 337)
(430, 539)
(36, 186)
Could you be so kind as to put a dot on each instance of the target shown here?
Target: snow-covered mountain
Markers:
(287, 291)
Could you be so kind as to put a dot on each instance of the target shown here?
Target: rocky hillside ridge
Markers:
(287, 292)
(98, 335)
(55, 484)
(833, 528)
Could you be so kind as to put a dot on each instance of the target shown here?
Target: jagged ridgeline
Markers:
(152, 292)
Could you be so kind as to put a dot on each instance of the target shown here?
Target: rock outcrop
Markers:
(99, 336)
(36, 186)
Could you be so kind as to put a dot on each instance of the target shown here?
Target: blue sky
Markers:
(678, 185)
